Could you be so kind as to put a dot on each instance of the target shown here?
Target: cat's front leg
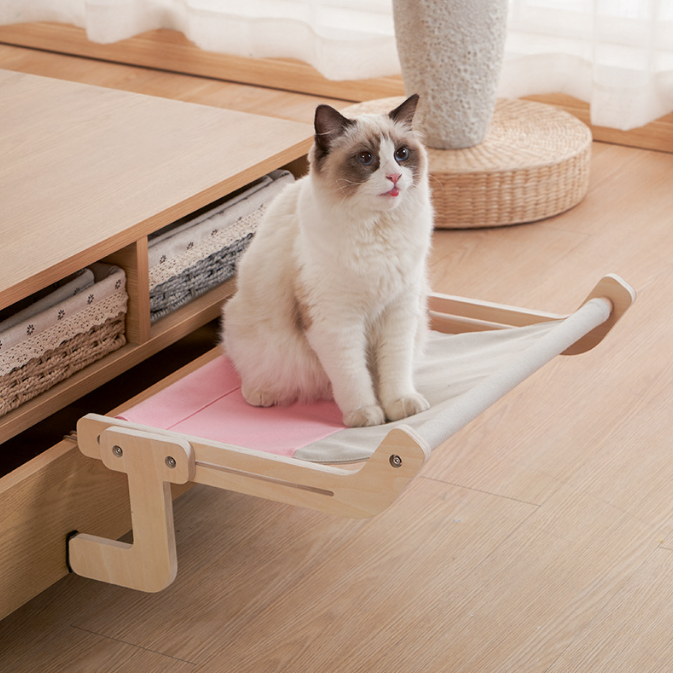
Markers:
(342, 351)
(395, 347)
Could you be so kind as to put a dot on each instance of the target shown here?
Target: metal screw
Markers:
(395, 460)
(118, 451)
(170, 461)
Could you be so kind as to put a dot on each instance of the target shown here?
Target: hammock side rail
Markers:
(450, 313)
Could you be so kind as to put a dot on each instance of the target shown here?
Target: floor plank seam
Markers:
(479, 490)
(625, 512)
(139, 647)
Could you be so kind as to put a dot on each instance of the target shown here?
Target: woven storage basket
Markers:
(192, 257)
(40, 348)
(533, 163)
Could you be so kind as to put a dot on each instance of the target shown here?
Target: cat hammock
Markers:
(477, 352)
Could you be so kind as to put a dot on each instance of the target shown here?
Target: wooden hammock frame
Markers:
(154, 459)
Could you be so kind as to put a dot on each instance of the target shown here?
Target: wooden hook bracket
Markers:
(152, 463)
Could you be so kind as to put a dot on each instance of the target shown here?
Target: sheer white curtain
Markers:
(615, 54)
(342, 39)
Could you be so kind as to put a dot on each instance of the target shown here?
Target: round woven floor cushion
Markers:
(533, 163)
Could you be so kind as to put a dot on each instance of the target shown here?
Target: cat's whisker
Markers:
(344, 183)
(433, 178)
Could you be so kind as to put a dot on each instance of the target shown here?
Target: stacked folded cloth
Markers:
(191, 257)
(51, 335)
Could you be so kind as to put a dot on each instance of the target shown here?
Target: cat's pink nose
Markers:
(394, 177)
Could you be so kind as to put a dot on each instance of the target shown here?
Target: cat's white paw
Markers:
(406, 406)
(365, 416)
(258, 398)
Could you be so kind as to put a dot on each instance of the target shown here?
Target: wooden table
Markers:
(86, 174)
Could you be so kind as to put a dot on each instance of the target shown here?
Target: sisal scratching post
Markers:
(491, 163)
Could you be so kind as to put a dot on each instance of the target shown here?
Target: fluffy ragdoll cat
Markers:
(331, 297)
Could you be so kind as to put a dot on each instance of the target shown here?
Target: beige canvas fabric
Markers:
(462, 375)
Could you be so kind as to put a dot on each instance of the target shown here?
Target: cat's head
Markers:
(372, 160)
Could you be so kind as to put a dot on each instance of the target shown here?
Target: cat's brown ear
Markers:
(405, 113)
(329, 125)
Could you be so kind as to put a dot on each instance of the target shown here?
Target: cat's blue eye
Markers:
(366, 158)
(402, 154)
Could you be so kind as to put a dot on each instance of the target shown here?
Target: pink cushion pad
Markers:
(208, 403)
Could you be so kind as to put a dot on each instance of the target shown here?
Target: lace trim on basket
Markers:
(109, 280)
(50, 338)
(54, 366)
(217, 241)
(173, 253)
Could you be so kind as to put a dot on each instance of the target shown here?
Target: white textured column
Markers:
(451, 52)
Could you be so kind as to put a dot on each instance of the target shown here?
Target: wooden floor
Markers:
(537, 539)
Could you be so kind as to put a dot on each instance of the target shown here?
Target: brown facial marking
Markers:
(343, 169)
(415, 160)
(354, 171)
